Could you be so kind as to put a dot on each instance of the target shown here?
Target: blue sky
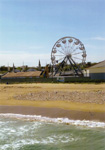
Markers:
(29, 28)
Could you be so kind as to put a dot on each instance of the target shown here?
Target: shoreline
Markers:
(54, 113)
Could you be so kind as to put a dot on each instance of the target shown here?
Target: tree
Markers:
(3, 68)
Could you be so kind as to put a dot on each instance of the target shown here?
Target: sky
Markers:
(30, 28)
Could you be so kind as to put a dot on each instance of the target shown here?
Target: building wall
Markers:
(97, 73)
(100, 76)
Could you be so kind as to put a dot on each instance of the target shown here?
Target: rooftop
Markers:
(100, 64)
(22, 74)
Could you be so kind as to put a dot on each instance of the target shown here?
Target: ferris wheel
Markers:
(68, 50)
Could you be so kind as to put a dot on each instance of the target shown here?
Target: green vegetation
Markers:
(51, 80)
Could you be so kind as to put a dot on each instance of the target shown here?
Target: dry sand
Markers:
(75, 101)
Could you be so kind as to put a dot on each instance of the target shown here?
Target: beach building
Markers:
(97, 71)
(13, 75)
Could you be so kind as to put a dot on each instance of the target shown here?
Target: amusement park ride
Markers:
(68, 51)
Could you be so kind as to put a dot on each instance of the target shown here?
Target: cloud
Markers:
(98, 38)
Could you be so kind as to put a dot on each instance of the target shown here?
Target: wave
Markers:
(91, 124)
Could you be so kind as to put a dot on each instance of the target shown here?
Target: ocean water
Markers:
(20, 132)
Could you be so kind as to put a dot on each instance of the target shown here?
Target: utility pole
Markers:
(39, 66)
(13, 68)
(8, 68)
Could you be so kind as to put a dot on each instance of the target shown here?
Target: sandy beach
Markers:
(73, 101)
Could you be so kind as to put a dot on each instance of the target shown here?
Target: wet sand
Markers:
(54, 113)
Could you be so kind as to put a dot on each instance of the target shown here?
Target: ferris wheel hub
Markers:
(69, 56)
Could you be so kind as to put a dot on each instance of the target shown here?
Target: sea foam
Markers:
(91, 124)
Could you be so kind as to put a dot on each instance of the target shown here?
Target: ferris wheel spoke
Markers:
(74, 50)
(73, 46)
(77, 53)
(60, 58)
(61, 52)
(58, 55)
(62, 48)
(77, 58)
(68, 48)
